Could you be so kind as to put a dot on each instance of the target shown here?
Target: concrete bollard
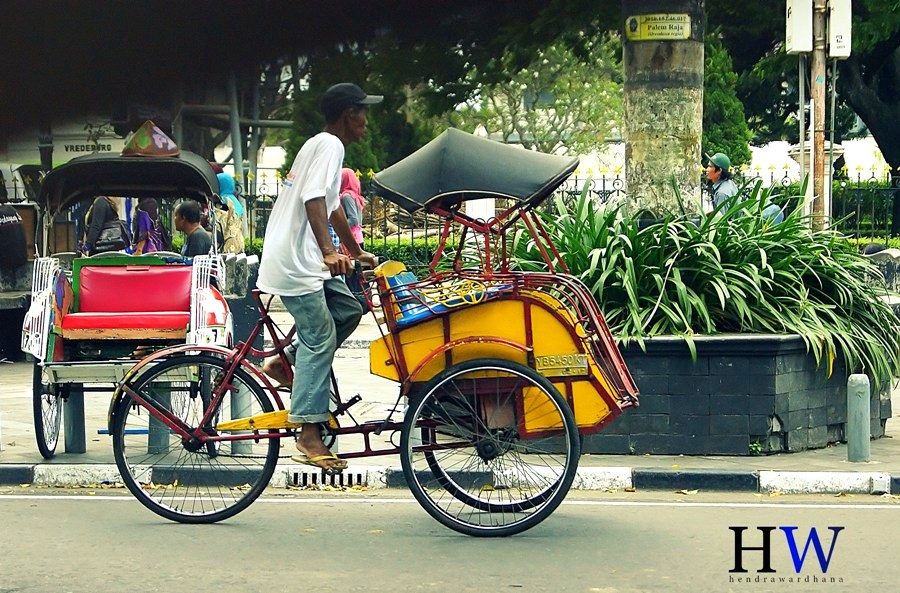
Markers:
(858, 425)
(241, 400)
(157, 431)
(73, 420)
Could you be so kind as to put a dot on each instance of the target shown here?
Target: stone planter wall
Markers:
(241, 272)
(745, 395)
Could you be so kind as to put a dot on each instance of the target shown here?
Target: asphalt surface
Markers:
(84, 541)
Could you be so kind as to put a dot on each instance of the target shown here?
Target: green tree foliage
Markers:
(869, 81)
(391, 133)
(724, 124)
(567, 99)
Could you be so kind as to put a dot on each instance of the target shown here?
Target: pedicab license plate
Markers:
(562, 365)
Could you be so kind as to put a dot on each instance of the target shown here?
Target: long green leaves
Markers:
(731, 272)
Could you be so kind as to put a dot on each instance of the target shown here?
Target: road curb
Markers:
(16, 474)
(586, 478)
(825, 482)
(696, 479)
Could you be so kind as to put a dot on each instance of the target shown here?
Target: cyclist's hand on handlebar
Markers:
(368, 259)
(338, 264)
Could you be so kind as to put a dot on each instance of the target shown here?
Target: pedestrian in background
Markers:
(105, 230)
(718, 171)
(13, 257)
(353, 202)
(13, 248)
(229, 218)
(187, 220)
(149, 234)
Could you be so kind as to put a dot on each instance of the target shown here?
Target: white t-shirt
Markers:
(291, 263)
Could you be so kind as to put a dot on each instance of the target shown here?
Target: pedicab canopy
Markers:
(141, 171)
(457, 166)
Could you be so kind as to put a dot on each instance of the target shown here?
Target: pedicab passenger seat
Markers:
(415, 300)
(128, 300)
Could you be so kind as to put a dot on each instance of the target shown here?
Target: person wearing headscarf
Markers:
(149, 234)
(353, 202)
(229, 217)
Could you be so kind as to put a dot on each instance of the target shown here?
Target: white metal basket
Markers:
(39, 318)
(201, 331)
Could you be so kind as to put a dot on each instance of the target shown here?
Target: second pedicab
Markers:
(502, 371)
(92, 318)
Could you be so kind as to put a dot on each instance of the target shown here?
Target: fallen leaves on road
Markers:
(686, 491)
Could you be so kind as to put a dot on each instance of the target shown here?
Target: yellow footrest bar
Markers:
(277, 419)
(269, 420)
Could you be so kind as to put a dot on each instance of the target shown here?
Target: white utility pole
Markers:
(822, 28)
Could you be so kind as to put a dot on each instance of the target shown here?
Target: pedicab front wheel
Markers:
(187, 480)
(47, 411)
(495, 436)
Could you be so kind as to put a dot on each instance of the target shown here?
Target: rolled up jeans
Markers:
(324, 319)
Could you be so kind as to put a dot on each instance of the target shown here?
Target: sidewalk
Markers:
(818, 471)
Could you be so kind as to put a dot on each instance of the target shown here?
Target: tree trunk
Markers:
(663, 62)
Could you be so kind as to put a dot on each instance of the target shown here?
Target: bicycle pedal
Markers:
(347, 404)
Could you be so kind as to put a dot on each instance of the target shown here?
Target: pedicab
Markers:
(92, 318)
(502, 371)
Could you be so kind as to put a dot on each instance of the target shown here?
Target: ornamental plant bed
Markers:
(740, 333)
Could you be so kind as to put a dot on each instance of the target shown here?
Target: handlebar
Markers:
(357, 264)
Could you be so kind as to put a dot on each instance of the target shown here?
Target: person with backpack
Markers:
(105, 230)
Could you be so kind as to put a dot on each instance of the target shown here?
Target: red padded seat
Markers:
(131, 302)
(124, 289)
(150, 320)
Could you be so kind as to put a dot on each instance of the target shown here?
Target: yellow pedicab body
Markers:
(521, 325)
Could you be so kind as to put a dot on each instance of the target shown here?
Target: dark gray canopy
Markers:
(187, 175)
(458, 166)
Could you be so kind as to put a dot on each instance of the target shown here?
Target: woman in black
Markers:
(103, 210)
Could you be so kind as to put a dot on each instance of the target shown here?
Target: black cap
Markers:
(343, 95)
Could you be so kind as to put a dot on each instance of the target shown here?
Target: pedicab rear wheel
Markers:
(47, 412)
(465, 436)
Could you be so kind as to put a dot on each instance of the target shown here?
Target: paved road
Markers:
(89, 541)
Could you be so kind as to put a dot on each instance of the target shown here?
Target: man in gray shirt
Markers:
(718, 171)
(187, 220)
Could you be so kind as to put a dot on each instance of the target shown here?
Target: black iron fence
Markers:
(864, 204)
